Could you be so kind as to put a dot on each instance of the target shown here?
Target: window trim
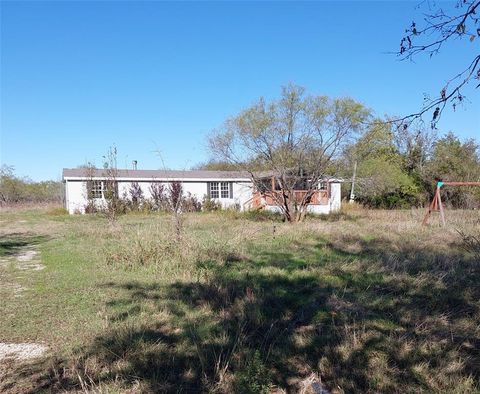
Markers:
(220, 190)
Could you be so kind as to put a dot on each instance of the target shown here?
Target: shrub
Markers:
(159, 197)
(147, 206)
(191, 204)
(112, 206)
(393, 200)
(209, 205)
(136, 196)
(90, 207)
(175, 196)
(116, 205)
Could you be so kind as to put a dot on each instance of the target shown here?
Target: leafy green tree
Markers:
(383, 181)
(453, 160)
(376, 141)
(385, 184)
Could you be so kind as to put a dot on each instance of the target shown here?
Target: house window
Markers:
(102, 189)
(214, 192)
(224, 190)
(96, 189)
(220, 189)
(322, 186)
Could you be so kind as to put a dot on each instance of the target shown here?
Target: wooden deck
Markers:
(260, 200)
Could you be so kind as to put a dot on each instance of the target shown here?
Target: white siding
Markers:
(75, 196)
(316, 209)
(76, 192)
(335, 196)
(242, 192)
(319, 209)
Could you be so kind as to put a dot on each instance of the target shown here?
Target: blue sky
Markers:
(149, 77)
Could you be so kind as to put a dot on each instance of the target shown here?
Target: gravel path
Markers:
(21, 351)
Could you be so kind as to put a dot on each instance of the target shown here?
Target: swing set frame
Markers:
(436, 204)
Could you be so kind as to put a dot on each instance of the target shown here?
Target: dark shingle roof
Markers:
(157, 174)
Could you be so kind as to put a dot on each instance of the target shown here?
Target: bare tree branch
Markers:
(439, 29)
(293, 140)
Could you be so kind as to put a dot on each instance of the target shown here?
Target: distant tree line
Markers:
(17, 190)
(400, 168)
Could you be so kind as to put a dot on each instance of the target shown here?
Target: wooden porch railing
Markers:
(259, 200)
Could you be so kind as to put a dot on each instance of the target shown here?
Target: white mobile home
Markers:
(229, 188)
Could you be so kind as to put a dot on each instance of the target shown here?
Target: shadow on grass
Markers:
(11, 244)
(383, 318)
(335, 217)
(37, 376)
(269, 216)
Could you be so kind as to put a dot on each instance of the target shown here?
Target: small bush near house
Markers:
(175, 196)
(159, 198)
(91, 207)
(209, 205)
(191, 204)
(135, 199)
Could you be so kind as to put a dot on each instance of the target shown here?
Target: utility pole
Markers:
(352, 194)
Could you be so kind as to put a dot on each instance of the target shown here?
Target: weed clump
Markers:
(255, 378)
(57, 211)
(262, 216)
(471, 243)
(167, 252)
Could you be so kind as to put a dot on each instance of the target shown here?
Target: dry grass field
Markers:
(359, 302)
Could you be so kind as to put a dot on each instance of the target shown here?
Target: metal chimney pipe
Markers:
(134, 164)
